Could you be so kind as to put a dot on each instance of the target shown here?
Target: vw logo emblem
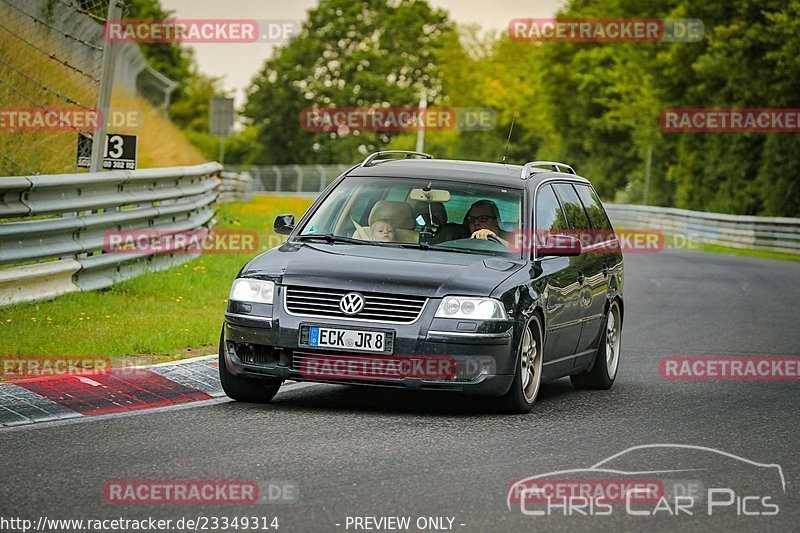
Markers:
(351, 303)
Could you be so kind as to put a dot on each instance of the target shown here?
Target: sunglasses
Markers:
(482, 219)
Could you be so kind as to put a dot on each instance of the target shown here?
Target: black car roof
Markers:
(472, 171)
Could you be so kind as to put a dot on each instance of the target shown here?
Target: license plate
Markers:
(348, 339)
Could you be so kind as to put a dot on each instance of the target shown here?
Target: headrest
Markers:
(399, 214)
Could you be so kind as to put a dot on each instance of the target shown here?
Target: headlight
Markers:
(252, 290)
(471, 308)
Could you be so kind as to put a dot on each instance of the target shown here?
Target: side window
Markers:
(576, 215)
(509, 212)
(597, 215)
(549, 215)
(360, 211)
(365, 198)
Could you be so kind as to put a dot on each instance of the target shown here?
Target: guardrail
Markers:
(777, 234)
(236, 187)
(52, 228)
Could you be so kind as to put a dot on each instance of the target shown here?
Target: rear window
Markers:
(597, 215)
(576, 215)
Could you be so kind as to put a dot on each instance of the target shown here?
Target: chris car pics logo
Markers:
(666, 480)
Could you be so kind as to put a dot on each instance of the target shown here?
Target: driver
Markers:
(483, 218)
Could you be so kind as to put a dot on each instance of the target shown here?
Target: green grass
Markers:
(24, 71)
(155, 317)
(670, 242)
(763, 254)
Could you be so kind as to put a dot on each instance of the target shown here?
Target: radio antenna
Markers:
(508, 141)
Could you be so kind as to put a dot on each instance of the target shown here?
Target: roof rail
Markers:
(526, 170)
(373, 157)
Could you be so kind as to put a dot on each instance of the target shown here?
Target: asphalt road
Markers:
(360, 452)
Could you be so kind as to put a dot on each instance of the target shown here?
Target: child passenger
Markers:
(382, 230)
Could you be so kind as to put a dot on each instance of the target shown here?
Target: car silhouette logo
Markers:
(610, 467)
(351, 303)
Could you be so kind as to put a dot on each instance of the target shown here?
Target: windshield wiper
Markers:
(331, 238)
(439, 248)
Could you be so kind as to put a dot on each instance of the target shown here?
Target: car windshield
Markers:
(436, 214)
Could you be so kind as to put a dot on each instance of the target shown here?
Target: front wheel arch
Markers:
(598, 377)
(515, 400)
(519, 329)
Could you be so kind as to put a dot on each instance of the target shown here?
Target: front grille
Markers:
(379, 307)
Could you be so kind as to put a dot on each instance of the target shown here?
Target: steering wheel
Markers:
(475, 244)
(493, 238)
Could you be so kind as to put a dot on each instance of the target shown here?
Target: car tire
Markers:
(606, 363)
(242, 388)
(528, 375)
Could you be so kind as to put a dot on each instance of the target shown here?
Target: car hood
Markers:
(383, 269)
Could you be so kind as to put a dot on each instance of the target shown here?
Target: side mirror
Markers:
(560, 245)
(284, 224)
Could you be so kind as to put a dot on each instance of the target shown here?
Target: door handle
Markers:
(581, 278)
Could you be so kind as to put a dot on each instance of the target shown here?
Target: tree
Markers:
(348, 54)
(192, 111)
(596, 106)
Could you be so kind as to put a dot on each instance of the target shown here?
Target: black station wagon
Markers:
(431, 274)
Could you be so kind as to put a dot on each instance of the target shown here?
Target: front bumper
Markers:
(482, 351)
